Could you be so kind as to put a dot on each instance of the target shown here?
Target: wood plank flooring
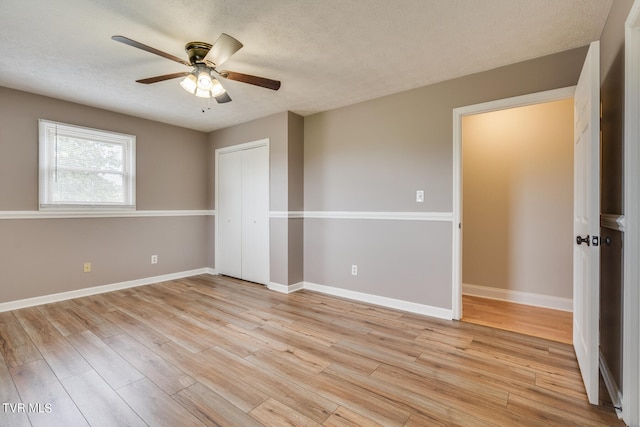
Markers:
(539, 322)
(216, 351)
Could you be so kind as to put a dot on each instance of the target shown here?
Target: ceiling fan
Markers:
(204, 58)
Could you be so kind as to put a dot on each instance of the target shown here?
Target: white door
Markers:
(229, 214)
(243, 213)
(586, 222)
(255, 215)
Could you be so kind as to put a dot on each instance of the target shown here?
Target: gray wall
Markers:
(284, 131)
(295, 167)
(45, 256)
(367, 157)
(373, 156)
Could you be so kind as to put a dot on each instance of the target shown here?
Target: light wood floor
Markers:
(554, 325)
(216, 351)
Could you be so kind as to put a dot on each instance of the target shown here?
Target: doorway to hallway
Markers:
(517, 209)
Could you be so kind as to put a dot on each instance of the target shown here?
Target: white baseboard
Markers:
(426, 310)
(527, 298)
(412, 307)
(612, 386)
(94, 290)
(285, 289)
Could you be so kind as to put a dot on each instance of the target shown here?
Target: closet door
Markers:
(255, 215)
(230, 214)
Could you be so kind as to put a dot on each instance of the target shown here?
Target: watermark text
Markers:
(31, 408)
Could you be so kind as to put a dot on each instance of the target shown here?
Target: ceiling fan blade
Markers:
(253, 80)
(222, 49)
(221, 99)
(162, 78)
(128, 41)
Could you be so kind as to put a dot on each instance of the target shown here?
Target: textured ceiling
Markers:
(327, 54)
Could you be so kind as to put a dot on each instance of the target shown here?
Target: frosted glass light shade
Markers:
(203, 93)
(189, 83)
(202, 85)
(217, 88)
(204, 81)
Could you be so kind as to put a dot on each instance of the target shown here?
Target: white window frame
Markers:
(48, 131)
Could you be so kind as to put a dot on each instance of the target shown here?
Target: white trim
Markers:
(284, 288)
(458, 114)
(631, 296)
(246, 146)
(363, 215)
(286, 214)
(612, 387)
(614, 222)
(48, 167)
(456, 229)
(101, 214)
(395, 216)
(518, 101)
(411, 307)
(94, 290)
(519, 297)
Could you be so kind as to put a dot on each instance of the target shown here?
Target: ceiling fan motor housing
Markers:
(196, 51)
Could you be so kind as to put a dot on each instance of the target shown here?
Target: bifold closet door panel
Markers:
(255, 215)
(230, 214)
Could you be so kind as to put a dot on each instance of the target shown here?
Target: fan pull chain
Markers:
(208, 102)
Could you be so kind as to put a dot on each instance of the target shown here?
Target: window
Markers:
(82, 168)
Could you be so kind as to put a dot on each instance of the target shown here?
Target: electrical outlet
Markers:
(354, 270)
(154, 259)
(420, 196)
(87, 267)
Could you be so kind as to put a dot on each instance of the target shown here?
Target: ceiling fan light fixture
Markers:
(189, 83)
(203, 58)
(204, 80)
(200, 93)
(216, 89)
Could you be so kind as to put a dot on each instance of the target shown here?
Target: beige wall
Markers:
(518, 199)
(373, 156)
(45, 256)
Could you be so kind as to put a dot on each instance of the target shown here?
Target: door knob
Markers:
(581, 240)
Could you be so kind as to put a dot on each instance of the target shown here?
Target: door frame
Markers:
(218, 152)
(631, 256)
(458, 114)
